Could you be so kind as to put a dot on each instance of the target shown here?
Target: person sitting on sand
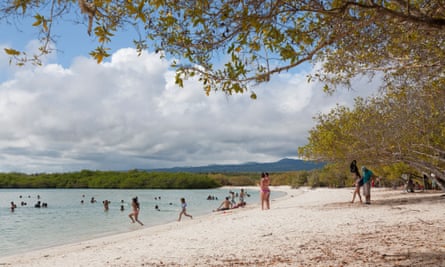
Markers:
(241, 201)
(225, 205)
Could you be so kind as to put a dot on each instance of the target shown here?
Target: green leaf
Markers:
(12, 52)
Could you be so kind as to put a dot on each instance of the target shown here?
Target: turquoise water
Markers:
(67, 220)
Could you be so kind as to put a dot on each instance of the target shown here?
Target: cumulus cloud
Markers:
(127, 113)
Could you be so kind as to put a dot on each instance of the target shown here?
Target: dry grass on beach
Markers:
(307, 227)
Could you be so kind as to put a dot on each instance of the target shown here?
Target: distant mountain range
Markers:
(284, 165)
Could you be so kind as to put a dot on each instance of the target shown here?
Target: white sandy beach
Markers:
(308, 227)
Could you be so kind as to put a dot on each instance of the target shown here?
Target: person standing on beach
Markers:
(367, 176)
(358, 180)
(184, 210)
(265, 191)
(135, 213)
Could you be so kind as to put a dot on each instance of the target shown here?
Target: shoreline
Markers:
(67, 220)
(123, 225)
(306, 227)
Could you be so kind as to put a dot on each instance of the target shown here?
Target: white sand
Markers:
(306, 228)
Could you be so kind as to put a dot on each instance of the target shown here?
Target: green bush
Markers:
(108, 179)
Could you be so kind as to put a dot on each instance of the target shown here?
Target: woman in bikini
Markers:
(134, 215)
(265, 191)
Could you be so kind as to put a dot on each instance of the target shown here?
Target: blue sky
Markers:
(72, 114)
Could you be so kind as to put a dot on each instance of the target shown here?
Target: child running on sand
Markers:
(184, 209)
(134, 215)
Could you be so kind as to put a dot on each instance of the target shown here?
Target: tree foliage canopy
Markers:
(230, 45)
(109, 179)
(255, 39)
(403, 126)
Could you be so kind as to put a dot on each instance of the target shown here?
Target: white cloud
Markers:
(127, 113)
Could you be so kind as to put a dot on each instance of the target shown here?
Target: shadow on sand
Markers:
(405, 199)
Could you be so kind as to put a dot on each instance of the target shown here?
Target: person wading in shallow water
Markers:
(135, 213)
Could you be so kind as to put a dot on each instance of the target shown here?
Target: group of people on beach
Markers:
(227, 204)
(136, 208)
(360, 181)
(230, 201)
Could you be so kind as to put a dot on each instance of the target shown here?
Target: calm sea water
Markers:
(67, 220)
